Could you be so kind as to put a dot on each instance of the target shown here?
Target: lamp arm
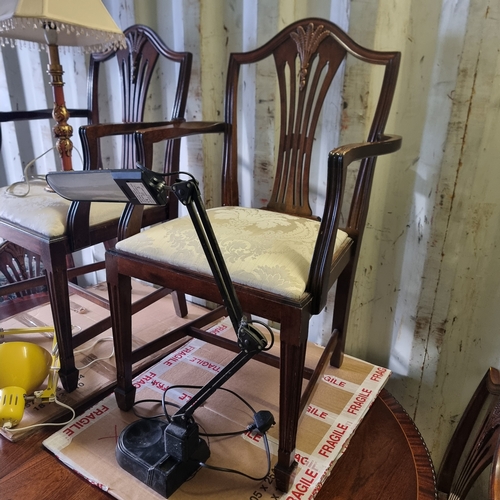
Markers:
(181, 435)
(48, 395)
(188, 194)
(142, 186)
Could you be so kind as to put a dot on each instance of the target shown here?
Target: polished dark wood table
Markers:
(386, 459)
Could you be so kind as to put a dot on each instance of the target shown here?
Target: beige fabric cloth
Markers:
(45, 212)
(263, 249)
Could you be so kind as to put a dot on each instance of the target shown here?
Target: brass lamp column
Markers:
(62, 131)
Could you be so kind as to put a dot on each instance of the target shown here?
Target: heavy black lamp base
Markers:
(142, 451)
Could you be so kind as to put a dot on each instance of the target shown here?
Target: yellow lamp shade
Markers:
(23, 364)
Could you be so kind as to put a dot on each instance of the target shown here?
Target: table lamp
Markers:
(53, 23)
(160, 454)
(23, 367)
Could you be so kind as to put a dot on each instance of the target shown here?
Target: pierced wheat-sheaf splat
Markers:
(307, 42)
(136, 41)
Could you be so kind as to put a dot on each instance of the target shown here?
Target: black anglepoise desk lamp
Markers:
(165, 454)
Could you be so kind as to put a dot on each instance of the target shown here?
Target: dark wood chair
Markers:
(53, 228)
(282, 259)
(475, 444)
(16, 266)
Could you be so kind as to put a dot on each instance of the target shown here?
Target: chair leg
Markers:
(180, 304)
(341, 312)
(120, 298)
(293, 337)
(57, 284)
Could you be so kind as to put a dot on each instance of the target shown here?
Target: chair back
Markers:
(475, 444)
(302, 62)
(307, 55)
(136, 66)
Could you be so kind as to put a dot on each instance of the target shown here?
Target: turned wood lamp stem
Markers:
(62, 131)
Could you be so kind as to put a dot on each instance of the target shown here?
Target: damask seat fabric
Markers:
(45, 212)
(266, 250)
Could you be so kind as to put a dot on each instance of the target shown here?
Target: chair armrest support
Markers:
(338, 161)
(90, 135)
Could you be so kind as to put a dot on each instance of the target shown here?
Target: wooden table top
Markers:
(386, 459)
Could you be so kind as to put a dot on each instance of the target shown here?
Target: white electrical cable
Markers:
(26, 178)
(60, 403)
(104, 339)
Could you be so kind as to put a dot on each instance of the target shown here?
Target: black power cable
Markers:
(263, 421)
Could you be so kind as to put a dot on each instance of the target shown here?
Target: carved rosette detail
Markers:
(307, 42)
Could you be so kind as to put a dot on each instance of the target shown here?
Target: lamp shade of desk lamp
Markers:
(23, 367)
(54, 23)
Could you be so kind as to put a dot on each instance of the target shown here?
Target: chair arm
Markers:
(90, 135)
(175, 130)
(146, 138)
(338, 161)
(108, 129)
(79, 212)
(357, 151)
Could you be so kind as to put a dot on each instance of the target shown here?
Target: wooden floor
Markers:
(29, 472)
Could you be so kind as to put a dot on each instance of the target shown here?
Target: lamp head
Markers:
(23, 368)
(138, 186)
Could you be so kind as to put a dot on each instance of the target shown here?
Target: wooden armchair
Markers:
(475, 444)
(53, 228)
(282, 259)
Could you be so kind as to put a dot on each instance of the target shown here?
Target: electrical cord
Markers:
(268, 328)
(157, 401)
(179, 386)
(26, 178)
(43, 424)
(11, 190)
(240, 473)
(104, 339)
(263, 421)
(60, 403)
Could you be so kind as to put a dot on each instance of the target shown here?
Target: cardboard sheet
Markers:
(100, 375)
(343, 397)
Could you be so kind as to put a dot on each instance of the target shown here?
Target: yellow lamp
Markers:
(23, 368)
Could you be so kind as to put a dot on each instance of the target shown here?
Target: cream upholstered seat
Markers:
(46, 212)
(266, 250)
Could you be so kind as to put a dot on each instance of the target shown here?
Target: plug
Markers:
(263, 421)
